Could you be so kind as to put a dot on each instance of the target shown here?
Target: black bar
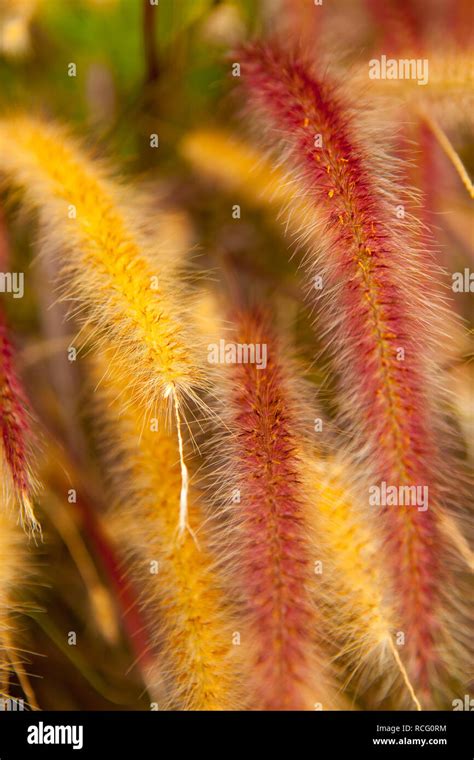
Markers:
(162, 734)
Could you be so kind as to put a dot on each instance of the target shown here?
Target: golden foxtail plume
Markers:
(190, 620)
(116, 286)
(354, 589)
(102, 256)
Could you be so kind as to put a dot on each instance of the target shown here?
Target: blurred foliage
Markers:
(132, 80)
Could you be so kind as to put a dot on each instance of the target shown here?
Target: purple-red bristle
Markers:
(374, 283)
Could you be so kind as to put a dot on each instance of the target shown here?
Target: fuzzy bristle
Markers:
(103, 258)
(190, 620)
(13, 571)
(382, 313)
(275, 563)
(354, 590)
(16, 436)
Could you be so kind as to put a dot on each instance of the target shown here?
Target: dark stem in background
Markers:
(152, 66)
(88, 509)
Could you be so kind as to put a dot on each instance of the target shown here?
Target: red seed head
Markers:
(274, 556)
(376, 307)
(15, 431)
